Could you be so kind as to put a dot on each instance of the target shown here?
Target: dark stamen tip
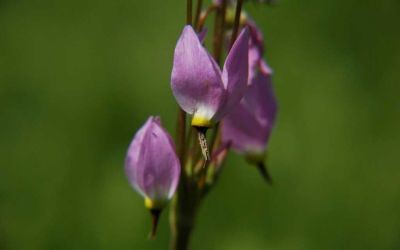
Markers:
(262, 168)
(155, 214)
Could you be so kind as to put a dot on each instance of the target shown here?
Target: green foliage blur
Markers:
(78, 78)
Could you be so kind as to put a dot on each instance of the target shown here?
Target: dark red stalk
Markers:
(155, 214)
(236, 24)
(189, 12)
(219, 30)
(203, 16)
(198, 11)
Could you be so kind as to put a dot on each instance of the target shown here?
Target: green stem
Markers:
(180, 134)
(186, 202)
(183, 214)
(204, 15)
(236, 24)
(198, 11)
(219, 30)
(189, 12)
(215, 137)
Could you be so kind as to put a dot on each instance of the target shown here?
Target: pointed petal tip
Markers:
(241, 43)
(246, 31)
(265, 68)
(188, 30)
(154, 118)
(196, 77)
(235, 72)
(202, 35)
(244, 34)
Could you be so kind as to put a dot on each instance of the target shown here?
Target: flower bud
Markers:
(152, 167)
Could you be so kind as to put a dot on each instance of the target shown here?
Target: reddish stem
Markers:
(236, 24)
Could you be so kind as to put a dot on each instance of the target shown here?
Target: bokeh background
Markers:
(78, 78)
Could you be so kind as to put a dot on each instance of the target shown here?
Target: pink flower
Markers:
(152, 165)
(198, 84)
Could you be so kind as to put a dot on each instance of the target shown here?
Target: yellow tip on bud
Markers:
(153, 204)
(255, 157)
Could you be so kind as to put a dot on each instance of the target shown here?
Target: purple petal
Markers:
(242, 129)
(196, 78)
(235, 72)
(202, 35)
(260, 100)
(249, 125)
(264, 68)
(151, 164)
(256, 48)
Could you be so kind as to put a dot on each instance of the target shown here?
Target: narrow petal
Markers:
(196, 79)
(235, 72)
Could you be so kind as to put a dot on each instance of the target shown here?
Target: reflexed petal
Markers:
(256, 48)
(196, 79)
(265, 69)
(235, 72)
(249, 125)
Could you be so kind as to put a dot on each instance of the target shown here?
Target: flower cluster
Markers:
(238, 101)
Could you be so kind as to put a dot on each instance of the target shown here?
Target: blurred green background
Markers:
(78, 78)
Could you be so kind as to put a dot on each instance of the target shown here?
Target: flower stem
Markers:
(182, 214)
(203, 16)
(219, 30)
(217, 54)
(189, 12)
(236, 24)
(198, 11)
(180, 134)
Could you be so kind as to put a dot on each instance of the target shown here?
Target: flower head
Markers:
(198, 84)
(151, 165)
